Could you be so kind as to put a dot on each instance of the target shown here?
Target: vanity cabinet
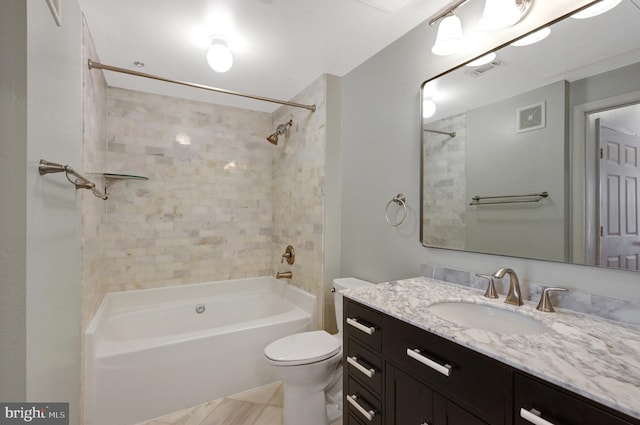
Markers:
(533, 397)
(364, 368)
(399, 374)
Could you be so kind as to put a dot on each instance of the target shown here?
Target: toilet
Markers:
(308, 364)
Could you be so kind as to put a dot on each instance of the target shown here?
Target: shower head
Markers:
(280, 130)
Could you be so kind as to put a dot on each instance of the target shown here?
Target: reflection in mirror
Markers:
(536, 153)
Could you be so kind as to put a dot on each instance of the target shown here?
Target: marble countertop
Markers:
(591, 356)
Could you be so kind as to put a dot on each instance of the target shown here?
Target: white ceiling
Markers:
(279, 46)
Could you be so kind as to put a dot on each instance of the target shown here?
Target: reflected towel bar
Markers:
(80, 182)
(509, 199)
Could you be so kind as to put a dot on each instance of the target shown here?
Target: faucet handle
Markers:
(491, 287)
(545, 302)
(289, 255)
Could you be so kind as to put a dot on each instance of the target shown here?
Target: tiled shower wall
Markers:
(207, 211)
(442, 180)
(94, 218)
(298, 190)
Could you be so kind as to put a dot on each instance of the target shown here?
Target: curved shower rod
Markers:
(98, 65)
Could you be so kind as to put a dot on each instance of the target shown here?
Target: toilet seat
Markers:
(302, 348)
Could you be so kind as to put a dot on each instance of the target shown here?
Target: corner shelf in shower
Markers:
(111, 178)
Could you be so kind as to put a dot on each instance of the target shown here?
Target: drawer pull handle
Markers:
(415, 354)
(353, 361)
(369, 330)
(369, 414)
(533, 416)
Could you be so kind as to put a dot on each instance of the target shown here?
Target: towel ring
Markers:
(399, 199)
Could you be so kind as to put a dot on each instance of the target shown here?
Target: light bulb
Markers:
(449, 39)
(597, 9)
(483, 59)
(533, 38)
(219, 56)
(499, 14)
(428, 108)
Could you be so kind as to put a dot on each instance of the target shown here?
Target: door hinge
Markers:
(601, 153)
(601, 231)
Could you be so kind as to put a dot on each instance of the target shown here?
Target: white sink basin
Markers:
(486, 317)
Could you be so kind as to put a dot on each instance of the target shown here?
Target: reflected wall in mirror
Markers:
(536, 153)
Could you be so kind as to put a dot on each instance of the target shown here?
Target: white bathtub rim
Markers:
(114, 302)
(303, 308)
(108, 349)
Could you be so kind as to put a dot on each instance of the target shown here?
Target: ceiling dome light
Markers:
(449, 39)
(489, 57)
(219, 56)
(500, 14)
(533, 38)
(428, 108)
(597, 9)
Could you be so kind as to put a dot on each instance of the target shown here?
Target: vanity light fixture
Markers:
(500, 14)
(482, 60)
(533, 37)
(597, 9)
(219, 56)
(497, 14)
(449, 39)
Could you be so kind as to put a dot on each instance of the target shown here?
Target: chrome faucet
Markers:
(514, 296)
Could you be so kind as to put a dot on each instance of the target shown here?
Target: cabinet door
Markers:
(556, 407)
(458, 416)
(408, 401)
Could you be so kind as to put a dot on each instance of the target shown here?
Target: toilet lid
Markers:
(302, 348)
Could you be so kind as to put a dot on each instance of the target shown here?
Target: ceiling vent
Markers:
(387, 6)
(481, 70)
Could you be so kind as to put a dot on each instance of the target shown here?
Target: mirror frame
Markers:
(422, 142)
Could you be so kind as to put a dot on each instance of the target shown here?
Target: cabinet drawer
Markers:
(365, 366)
(471, 380)
(363, 324)
(362, 404)
(557, 406)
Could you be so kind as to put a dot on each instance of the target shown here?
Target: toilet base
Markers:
(304, 407)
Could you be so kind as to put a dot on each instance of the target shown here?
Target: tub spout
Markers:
(284, 275)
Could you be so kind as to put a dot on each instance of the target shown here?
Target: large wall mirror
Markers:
(536, 153)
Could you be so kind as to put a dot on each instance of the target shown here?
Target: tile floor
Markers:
(257, 406)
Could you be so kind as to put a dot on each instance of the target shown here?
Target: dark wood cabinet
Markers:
(535, 398)
(364, 367)
(408, 401)
(398, 374)
(469, 379)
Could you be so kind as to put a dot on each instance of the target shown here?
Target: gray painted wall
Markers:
(381, 157)
(502, 161)
(41, 222)
(13, 157)
(54, 207)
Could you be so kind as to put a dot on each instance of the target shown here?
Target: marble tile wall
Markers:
(444, 202)
(94, 161)
(620, 310)
(298, 191)
(205, 213)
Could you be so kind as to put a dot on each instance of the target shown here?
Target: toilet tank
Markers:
(339, 285)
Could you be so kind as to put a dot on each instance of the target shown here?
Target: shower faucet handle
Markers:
(289, 255)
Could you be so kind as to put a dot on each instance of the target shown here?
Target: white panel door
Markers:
(619, 242)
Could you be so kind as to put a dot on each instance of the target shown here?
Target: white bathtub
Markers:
(149, 353)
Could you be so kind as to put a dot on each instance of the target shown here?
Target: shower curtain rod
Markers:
(98, 65)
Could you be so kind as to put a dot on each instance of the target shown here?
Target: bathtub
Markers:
(154, 351)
